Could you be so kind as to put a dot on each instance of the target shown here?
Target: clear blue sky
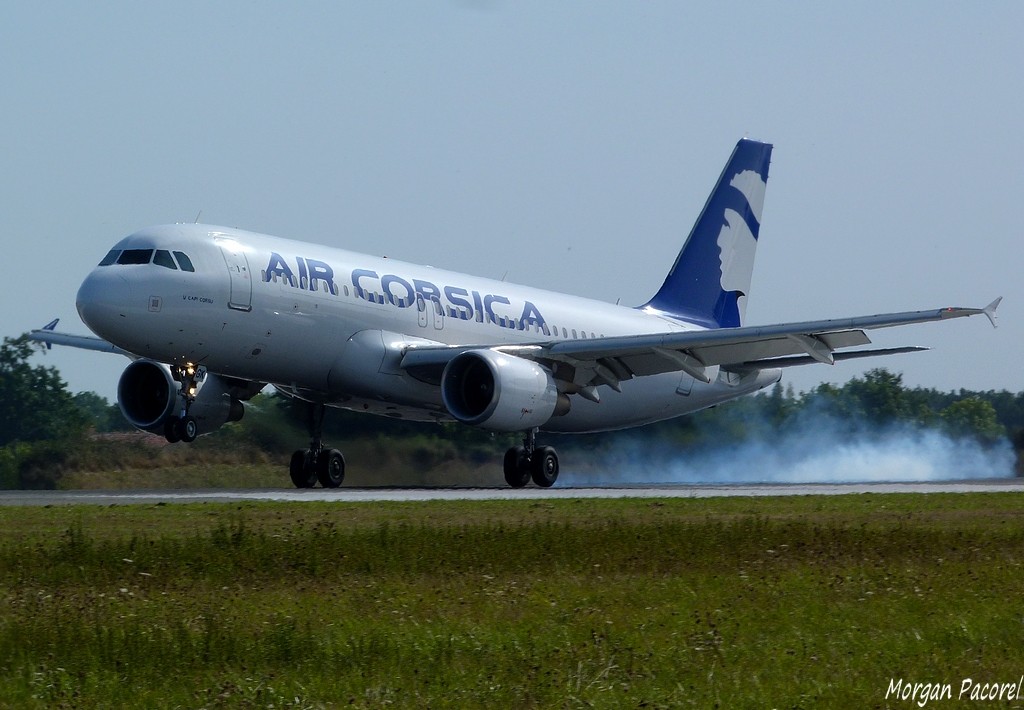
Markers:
(570, 145)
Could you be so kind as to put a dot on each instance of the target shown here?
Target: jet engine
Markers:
(500, 392)
(148, 395)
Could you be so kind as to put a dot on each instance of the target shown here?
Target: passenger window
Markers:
(111, 257)
(135, 256)
(163, 258)
(574, 334)
(184, 262)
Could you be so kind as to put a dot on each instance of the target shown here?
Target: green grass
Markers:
(786, 602)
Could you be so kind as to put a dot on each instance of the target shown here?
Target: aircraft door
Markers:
(438, 311)
(421, 309)
(241, 280)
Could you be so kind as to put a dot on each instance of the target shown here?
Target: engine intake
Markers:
(147, 394)
(492, 390)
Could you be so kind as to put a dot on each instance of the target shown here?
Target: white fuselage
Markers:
(330, 325)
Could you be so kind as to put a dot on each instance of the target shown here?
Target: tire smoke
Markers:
(825, 450)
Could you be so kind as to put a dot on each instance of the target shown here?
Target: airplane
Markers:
(210, 315)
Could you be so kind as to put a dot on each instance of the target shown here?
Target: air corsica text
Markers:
(397, 291)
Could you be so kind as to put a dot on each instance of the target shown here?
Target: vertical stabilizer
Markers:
(710, 280)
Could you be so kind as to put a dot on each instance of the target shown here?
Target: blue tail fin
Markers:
(710, 280)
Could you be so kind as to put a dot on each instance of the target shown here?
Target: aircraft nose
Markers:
(103, 300)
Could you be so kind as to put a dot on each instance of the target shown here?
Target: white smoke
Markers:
(827, 451)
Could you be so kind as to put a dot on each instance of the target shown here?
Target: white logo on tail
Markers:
(736, 242)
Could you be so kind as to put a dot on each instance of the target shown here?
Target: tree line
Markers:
(46, 430)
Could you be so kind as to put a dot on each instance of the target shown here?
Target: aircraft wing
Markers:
(50, 337)
(611, 360)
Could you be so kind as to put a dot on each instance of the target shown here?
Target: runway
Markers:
(372, 495)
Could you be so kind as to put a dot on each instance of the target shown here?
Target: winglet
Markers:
(990, 311)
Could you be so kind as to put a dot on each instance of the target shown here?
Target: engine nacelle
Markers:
(492, 390)
(148, 395)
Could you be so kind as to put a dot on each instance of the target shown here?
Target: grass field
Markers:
(785, 602)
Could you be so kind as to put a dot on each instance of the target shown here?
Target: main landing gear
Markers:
(183, 427)
(317, 463)
(531, 461)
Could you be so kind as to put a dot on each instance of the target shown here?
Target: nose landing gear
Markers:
(184, 427)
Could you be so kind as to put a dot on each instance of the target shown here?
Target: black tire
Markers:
(171, 430)
(303, 476)
(517, 467)
(330, 468)
(544, 466)
(188, 429)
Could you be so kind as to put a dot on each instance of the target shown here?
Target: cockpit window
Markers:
(135, 256)
(184, 262)
(163, 258)
(111, 257)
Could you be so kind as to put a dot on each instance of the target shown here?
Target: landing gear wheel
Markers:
(317, 463)
(330, 468)
(171, 432)
(517, 467)
(187, 429)
(303, 476)
(544, 466)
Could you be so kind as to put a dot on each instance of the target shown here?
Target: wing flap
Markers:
(755, 365)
